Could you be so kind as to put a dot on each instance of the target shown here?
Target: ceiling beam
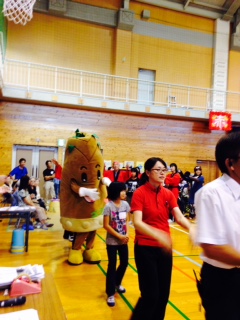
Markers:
(228, 16)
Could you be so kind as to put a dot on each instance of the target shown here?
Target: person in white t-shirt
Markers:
(218, 233)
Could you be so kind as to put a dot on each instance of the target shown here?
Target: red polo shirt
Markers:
(156, 205)
(173, 183)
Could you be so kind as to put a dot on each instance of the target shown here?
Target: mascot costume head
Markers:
(83, 194)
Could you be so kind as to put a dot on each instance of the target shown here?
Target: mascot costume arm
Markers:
(83, 194)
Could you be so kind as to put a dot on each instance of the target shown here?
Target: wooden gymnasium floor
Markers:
(82, 288)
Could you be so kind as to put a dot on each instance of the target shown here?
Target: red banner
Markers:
(220, 121)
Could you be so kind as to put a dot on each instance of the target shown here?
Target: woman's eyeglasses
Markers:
(164, 170)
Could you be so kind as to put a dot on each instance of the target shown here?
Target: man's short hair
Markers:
(46, 163)
(228, 147)
(20, 160)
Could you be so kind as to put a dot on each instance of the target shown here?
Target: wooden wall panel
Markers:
(122, 136)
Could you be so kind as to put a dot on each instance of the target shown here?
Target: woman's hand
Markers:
(124, 239)
(164, 239)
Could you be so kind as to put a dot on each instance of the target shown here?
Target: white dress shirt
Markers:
(218, 216)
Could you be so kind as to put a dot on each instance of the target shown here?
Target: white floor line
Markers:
(181, 254)
(187, 258)
(183, 231)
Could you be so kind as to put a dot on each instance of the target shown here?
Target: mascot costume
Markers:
(83, 194)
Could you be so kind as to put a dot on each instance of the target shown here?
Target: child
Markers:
(116, 223)
(132, 184)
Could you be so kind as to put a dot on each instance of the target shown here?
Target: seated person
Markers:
(6, 189)
(33, 190)
(24, 199)
(15, 188)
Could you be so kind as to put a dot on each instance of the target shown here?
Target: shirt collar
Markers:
(232, 185)
(152, 188)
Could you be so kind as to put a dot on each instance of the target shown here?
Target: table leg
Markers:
(27, 219)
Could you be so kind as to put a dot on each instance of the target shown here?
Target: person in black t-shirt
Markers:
(49, 175)
(132, 184)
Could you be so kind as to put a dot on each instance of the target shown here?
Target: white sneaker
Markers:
(120, 289)
(111, 301)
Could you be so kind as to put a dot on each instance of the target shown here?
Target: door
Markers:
(35, 160)
(146, 86)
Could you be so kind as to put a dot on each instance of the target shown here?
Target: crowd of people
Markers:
(149, 200)
(182, 185)
(152, 202)
(19, 189)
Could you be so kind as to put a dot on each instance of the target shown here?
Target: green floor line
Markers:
(101, 238)
(122, 296)
(101, 268)
(179, 311)
(135, 270)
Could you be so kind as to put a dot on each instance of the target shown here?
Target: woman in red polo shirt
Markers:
(151, 206)
(173, 180)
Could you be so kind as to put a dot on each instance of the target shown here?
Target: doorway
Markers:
(35, 160)
(146, 89)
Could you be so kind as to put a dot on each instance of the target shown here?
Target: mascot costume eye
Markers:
(83, 194)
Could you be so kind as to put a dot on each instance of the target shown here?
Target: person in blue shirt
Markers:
(20, 171)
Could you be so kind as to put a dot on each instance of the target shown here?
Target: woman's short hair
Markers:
(174, 165)
(114, 190)
(197, 168)
(135, 170)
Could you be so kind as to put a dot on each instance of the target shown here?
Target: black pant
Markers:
(220, 292)
(114, 277)
(154, 276)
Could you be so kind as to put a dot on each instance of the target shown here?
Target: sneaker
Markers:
(30, 227)
(111, 301)
(120, 289)
(49, 225)
(44, 227)
(37, 225)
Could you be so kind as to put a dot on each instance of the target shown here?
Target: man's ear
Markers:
(229, 164)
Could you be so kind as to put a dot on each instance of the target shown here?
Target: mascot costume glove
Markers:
(93, 194)
(106, 181)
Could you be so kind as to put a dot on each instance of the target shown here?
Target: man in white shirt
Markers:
(218, 234)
